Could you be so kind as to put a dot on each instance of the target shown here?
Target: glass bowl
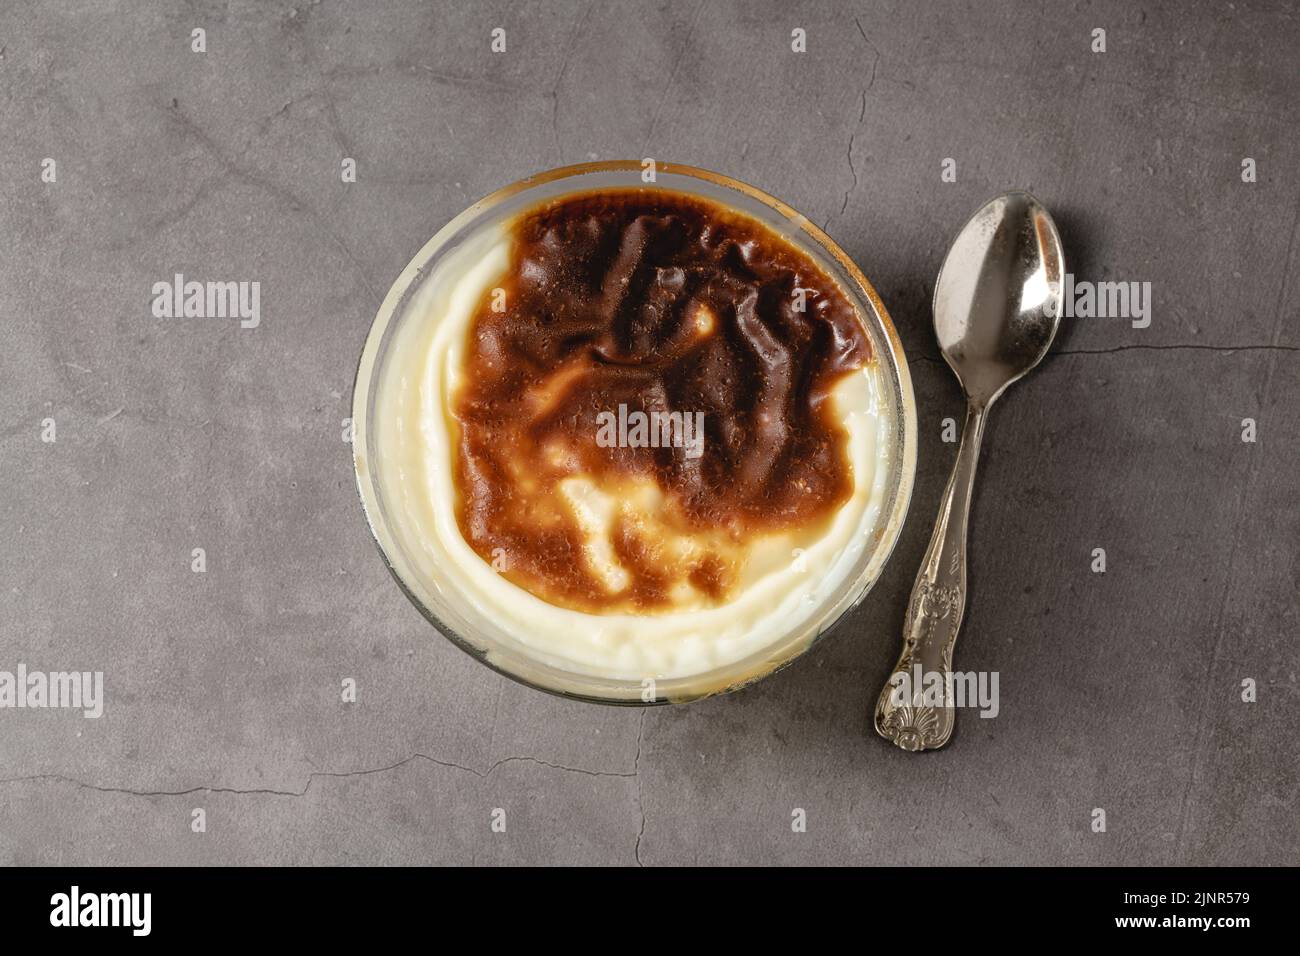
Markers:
(493, 646)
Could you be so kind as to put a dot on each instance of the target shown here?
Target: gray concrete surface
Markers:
(1120, 690)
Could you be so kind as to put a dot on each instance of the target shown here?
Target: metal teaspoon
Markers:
(997, 305)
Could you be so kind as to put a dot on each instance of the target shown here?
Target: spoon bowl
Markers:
(997, 300)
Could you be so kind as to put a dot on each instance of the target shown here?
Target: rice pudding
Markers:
(639, 432)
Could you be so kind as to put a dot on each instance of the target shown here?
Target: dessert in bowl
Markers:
(633, 441)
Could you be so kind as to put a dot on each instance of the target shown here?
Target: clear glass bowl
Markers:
(498, 650)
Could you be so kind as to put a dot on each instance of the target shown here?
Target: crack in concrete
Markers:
(874, 63)
(640, 801)
(938, 360)
(331, 108)
(1174, 348)
(311, 777)
(559, 78)
(672, 75)
(420, 71)
(231, 168)
(848, 155)
(862, 117)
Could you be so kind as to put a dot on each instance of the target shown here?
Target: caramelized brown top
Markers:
(655, 301)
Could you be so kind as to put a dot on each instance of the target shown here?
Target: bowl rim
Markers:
(893, 359)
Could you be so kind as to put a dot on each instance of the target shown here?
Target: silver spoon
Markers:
(996, 311)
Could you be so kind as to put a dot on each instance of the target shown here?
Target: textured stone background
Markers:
(1118, 690)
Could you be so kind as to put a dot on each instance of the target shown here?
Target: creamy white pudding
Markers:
(780, 578)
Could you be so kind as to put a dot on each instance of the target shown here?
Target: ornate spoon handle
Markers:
(906, 713)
